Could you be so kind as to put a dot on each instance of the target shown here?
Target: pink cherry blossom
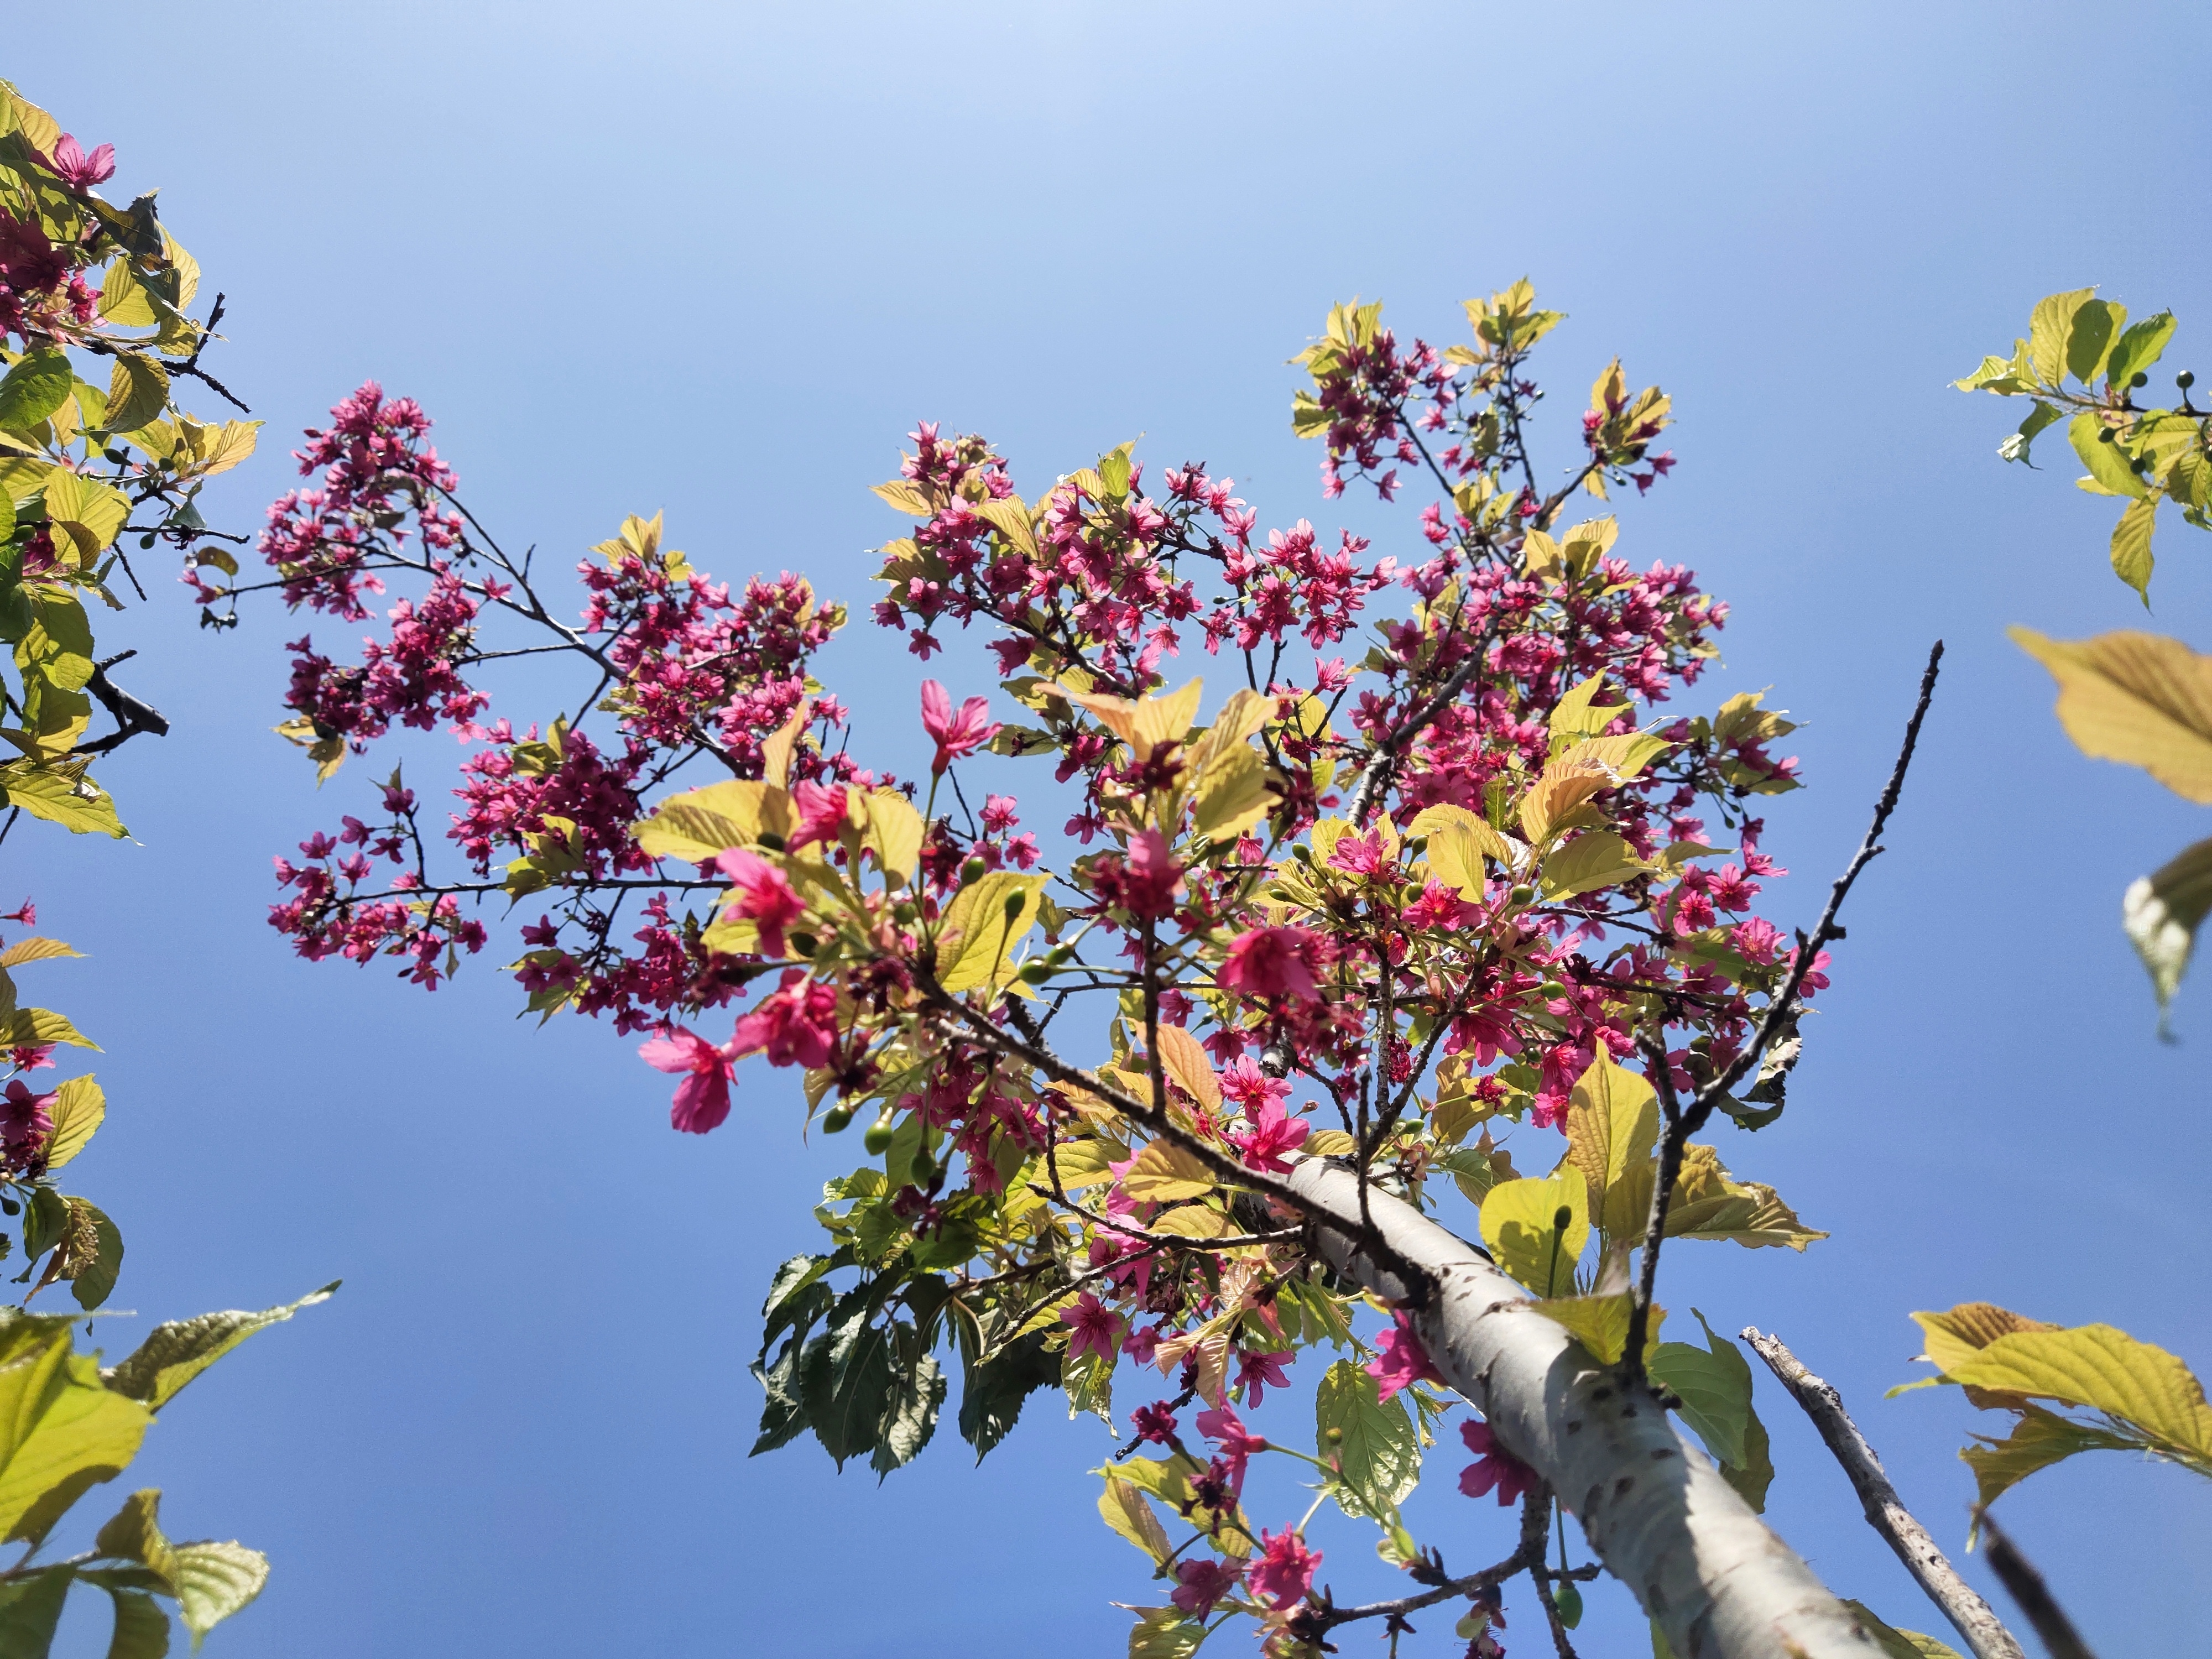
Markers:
(79, 171)
(1097, 1327)
(959, 734)
(761, 894)
(1271, 962)
(1284, 1572)
(703, 1099)
(1495, 1466)
(1400, 1358)
(823, 812)
(1201, 1583)
(796, 1025)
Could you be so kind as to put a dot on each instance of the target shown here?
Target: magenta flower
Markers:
(1285, 1570)
(1155, 1423)
(1097, 1327)
(795, 1025)
(1359, 855)
(1256, 1372)
(1202, 1583)
(823, 813)
(1238, 1443)
(956, 734)
(1400, 1359)
(25, 1118)
(703, 1099)
(1495, 1468)
(79, 171)
(32, 1056)
(1273, 1136)
(1271, 962)
(1152, 880)
(761, 894)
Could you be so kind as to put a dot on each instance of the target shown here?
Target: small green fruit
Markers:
(973, 870)
(877, 1140)
(1570, 1603)
(835, 1119)
(1522, 894)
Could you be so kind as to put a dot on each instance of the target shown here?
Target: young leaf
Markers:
(60, 1432)
(1129, 1512)
(213, 1581)
(2106, 1370)
(1536, 1229)
(1899, 1643)
(2132, 555)
(175, 1353)
(79, 1109)
(1612, 1124)
(2038, 1440)
(1600, 1323)
(1378, 1453)
(2141, 346)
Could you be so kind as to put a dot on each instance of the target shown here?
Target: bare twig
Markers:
(1535, 1516)
(2026, 1587)
(1683, 1121)
(1970, 1615)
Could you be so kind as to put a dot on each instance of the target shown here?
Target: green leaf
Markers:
(1594, 860)
(977, 935)
(141, 1628)
(2142, 344)
(2106, 1370)
(1521, 1224)
(60, 1431)
(1378, 1453)
(1612, 1124)
(175, 1352)
(2091, 338)
(34, 388)
(992, 1392)
(30, 1610)
(92, 1282)
(2109, 473)
(137, 391)
(1600, 1323)
(213, 1581)
(1714, 1385)
(783, 1416)
(2162, 911)
(845, 1379)
(2132, 555)
(134, 1533)
(917, 1396)
(1899, 1644)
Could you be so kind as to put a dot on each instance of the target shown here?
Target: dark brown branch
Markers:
(1535, 1516)
(1683, 1121)
(1970, 1615)
(2025, 1586)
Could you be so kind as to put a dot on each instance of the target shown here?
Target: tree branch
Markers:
(1682, 1122)
(1970, 1615)
(2026, 1587)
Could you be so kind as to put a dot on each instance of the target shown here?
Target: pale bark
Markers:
(1655, 1508)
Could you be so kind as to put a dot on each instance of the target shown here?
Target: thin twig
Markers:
(2026, 1587)
(1683, 1121)
(1528, 1555)
(1970, 1615)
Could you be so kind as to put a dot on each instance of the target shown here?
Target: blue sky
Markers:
(717, 259)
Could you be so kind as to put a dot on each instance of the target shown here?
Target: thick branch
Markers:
(1970, 1615)
(1653, 1507)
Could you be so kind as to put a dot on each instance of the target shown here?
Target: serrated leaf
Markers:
(2105, 1369)
(1592, 860)
(35, 950)
(2049, 327)
(2139, 347)
(31, 1610)
(60, 1432)
(175, 1352)
(34, 388)
(992, 1392)
(1164, 1172)
(1378, 1452)
(62, 792)
(215, 1581)
(2106, 461)
(1600, 1323)
(2131, 555)
(1165, 1633)
(910, 1412)
(92, 1282)
(1130, 1513)
(980, 934)
(1899, 1644)
(2038, 1440)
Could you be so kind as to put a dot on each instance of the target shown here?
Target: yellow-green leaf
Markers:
(213, 1581)
(1536, 1229)
(2049, 327)
(985, 920)
(62, 792)
(176, 1351)
(1899, 1643)
(1126, 1509)
(700, 824)
(1612, 1124)
(1377, 1450)
(1232, 794)
(2038, 1440)
(2138, 698)
(2132, 555)
(2107, 462)
(35, 950)
(1164, 1172)
(137, 391)
(1600, 1323)
(2105, 1369)
(894, 832)
(79, 1109)
(61, 1431)
(1595, 859)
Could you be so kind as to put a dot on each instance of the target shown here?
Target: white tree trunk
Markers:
(1653, 1506)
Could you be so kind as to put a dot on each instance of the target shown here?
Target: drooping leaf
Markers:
(62, 792)
(911, 1411)
(2051, 325)
(2131, 555)
(175, 1352)
(141, 1628)
(215, 1580)
(2137, 698)
(2038, 1440)
(1378, 1451)
(91, 1282)
(34, 388)
(1126, 1509)
(1165, 1633)
(993, 1391)
(1714, 1385)
(2105, 1369)
(134, 1533)
(987, 918)
(31, 1610)
(845, 1379)
(2162, 912)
